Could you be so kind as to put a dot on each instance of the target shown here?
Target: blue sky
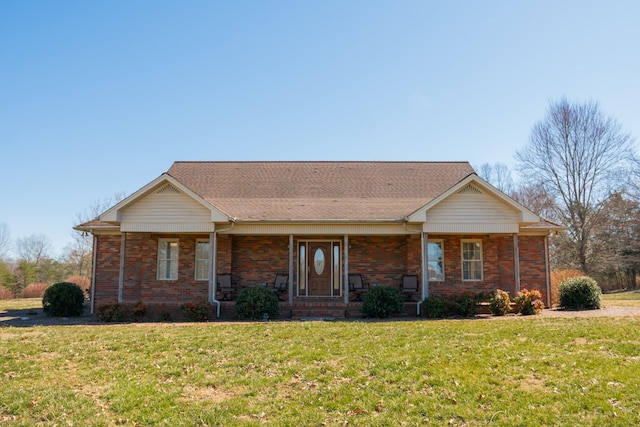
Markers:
(100, 97)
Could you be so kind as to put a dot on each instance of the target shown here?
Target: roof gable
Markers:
(474, 201)
(163, 201)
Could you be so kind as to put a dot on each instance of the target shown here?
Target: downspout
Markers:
(123, 244)
(93, 273)
(546, 264)
(516, 261)
(424, 241)
(213, 266)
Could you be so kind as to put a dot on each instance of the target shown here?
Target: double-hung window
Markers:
(435, 263)
(202, 259)
(168, 259)
(472, 260)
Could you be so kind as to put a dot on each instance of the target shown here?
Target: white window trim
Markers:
(441, 241)
(195, 272)
(174, 276)
(462, 260)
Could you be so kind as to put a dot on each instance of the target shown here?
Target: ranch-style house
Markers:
(319, 234)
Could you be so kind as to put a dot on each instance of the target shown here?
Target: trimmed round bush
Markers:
(500, 303)
(257, 303)
(63, 299)
(382, 302)
(580, 293)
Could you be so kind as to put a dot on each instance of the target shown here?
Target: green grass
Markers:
(623, 299)
(510, 371)
(20, 304)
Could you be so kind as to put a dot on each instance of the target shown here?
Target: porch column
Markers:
(123, 245)
(346, 269)
(213, 270)
(516, 261)
(291, 251)
(93, 273)
(425, 265)
(547, 269)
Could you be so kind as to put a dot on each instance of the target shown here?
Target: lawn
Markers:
(511, 371)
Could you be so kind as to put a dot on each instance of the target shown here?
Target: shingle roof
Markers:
(319, 190)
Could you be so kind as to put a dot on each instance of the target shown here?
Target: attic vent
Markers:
(168, 189)
(469, 189)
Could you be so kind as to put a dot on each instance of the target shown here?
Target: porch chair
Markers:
(224, 288)
(357, 286)
(280, 286)
(409, 285)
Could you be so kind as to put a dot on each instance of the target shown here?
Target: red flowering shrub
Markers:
(528, 302)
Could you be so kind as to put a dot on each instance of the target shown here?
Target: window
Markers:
(435, 265)
(168, 259)
(202, 260)
(472, 260)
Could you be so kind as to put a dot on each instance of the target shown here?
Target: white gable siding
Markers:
(164, 210)
(471, 210)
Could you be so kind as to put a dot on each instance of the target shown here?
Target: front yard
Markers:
(542, 371)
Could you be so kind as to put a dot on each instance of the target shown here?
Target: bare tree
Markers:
(497, 175)
(79, 253)
(534, 197)
(579, 156)
(33, 249)
(5, 240)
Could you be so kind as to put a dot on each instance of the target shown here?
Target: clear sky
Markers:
(100, 97)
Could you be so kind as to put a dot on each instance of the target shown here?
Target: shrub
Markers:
(500, 303)
(197, 311)
(138, 311)
(434, 307)
(382, 301)
(164, 317)
(63, 299)
(111, 313)
(257, 303)
(528, 302)
(35, 290)
(5, 294)
(456, 305)
(557, 276)
(580, 293)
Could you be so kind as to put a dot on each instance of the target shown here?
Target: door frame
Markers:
(302, 262)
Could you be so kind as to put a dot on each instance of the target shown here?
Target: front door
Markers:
(319, 268)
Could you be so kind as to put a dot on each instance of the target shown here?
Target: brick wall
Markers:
(384, 259)
(257, 259)
(108, 269)
(532, 264)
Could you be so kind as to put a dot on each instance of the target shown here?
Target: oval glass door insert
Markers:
(318, 261)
